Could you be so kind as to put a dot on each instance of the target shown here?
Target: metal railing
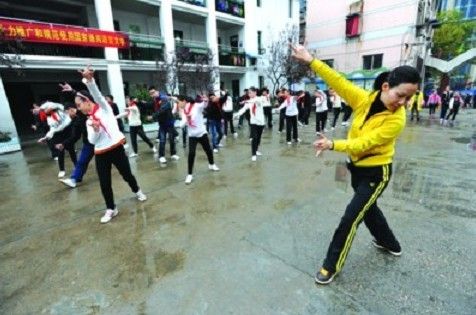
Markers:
(192, 51)
(143, 47)
(201, 3)
(231, 56)
(233, 7)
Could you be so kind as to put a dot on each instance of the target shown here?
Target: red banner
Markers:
(61, 34)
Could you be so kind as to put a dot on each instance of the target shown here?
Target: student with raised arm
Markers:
(370, 146)
(254, 105)
(108, 140)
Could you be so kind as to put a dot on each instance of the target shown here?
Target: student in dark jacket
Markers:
(78, 130)
(115, 110)
(214, 116)
(163, 115)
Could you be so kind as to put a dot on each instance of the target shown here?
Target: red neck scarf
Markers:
(96, 119)
(253, 109)
(188, 114)
(54, 115)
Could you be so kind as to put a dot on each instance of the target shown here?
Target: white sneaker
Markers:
(213, 167)
(235, 135)
(251, 139)
(133, 155)
(221, 145)
(253, 158)
(154, 149)
(61, 174)
(333, 128)
(69, 182)
(157, 140)
(224, 136)
(126, 146)
(162, 160)
(300, 123)
(141, 196)
(258, 153)
(215, 150)
(55, 158)
(188, 179)
(175, 157)
(289, 143)
(298, 140)
(108, 215)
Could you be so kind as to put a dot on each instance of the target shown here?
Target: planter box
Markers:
(10, 146)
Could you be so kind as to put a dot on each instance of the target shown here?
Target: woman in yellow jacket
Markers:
(416, 105)
(370, 145)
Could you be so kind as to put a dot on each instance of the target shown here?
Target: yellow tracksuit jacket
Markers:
(420, 101)
(370, 143)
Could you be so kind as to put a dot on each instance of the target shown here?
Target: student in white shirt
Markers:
(104, 134)
(268, 111)
(228, 116)
(191, 113)
(132, 113)
(289, 103)
(321, 111)
(336, 106)
(255, 106)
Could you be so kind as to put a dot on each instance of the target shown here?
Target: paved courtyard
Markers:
(245, 240)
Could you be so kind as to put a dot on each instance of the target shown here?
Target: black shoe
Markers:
(324, 276)
(390, 251)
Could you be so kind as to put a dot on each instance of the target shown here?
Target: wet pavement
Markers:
(245, 240)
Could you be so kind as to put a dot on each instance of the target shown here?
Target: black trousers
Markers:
(336, 112)
(282, 118)
(307, 113)
(256, 132)
(414, 110)
(321, 119)
(228, 119)
(347, 113)
(368, 184)
(444, 109)
(104, 162)
(138, 131)
(192, 148)
(58, 138)
(291, 125)
(454, 111)
(432, 108)
(268, 116)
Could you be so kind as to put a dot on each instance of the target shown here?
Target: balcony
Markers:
(201, 3)
(231, 56)
(233, 7)
(143, 47)
(189, 51)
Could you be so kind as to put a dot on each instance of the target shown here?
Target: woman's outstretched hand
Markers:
(87, 73)
(301, 54)
(323, 144)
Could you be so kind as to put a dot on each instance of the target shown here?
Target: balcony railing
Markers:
(231, 56)
(233, 7)
(201, 3)
(143, 47)
(192, 51)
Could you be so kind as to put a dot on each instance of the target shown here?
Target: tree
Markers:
(10, 51)
(451, 38)
(189, 72)
(281, 69)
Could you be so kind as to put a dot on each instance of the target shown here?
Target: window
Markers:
(261, 81)
(178, 35)
(260, 48)
(329, 62)
(258, 3)
(352, 25)
(372, 61)
(290, 8)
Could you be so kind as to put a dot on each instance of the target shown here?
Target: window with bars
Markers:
(371, 62)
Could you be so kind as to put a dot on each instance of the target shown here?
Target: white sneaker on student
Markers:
(61, 174)
(141, 196)
(289, 143)
(133, 155)
(235, 135)
(162, 160)
(154, 149)
(333, 128)
(188, 179)
(108, 215)
(213, 167)
(69, 182)
(224, 136)
(220, 145)
(215, 150)
(258, 153)
(175, 157)
(298, 140)
(253, 158)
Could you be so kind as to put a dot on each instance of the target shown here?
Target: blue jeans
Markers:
(217, 134)
(85, 156)
(163, 131)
